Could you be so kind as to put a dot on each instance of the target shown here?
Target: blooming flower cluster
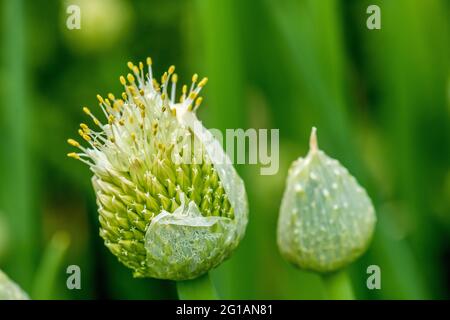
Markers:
(168, 208)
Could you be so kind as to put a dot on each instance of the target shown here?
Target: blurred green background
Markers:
(379, 98)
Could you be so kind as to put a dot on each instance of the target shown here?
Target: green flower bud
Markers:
(9, 290)
(326, 218)
(102, 24)
(171, 205)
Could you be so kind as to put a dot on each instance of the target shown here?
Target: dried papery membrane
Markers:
(326, 218)
(168, 207)
(10, 290)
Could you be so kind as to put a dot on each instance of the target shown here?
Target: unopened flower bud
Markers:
(326, 218)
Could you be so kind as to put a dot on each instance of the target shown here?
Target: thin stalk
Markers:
(44, 286)
(200, 288)
(338, 286)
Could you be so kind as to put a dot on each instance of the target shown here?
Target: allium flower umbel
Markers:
(171, 205)
(326, 218)
(10, 290)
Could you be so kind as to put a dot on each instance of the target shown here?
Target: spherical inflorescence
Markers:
(166, 209)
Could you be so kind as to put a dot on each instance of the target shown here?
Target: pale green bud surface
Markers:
(10, 290)
(171, 205)
(326, 218)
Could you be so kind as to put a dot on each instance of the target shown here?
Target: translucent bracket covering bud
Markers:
(171, 204)
(10, 290)
(233, 184)
(326, 218)
(184, 244)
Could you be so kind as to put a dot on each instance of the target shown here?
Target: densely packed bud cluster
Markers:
(171, 204)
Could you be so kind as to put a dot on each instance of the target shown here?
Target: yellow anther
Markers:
(122, 80)
(111, 97)
(112, 139)
(73, 155)
(130, 65)
(81, 132)
(136, 100)
(73, 143)
(163, 97)
(86, 137)
(154, 127)
(84, 127)
(192, 96)
(164, 78)
(96, 122)
(141, 65)
(107, 102)
(86, 110)
(132, 91)
(117, 105)
(174, 78)
(136, 69)
(111, 119)
(184, 89)
(99, 98)
(133, 136)
(198, 101)
(124, 96)
(149, 61)
(171, 69)
(194, 78)
(130, 78)
(141, 92)
(121, 122)
(203, 82)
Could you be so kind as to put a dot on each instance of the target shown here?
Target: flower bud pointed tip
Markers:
(313, 146)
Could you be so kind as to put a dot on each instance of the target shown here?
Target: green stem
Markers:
(338, 286)
(200, 288)
(46, 276)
